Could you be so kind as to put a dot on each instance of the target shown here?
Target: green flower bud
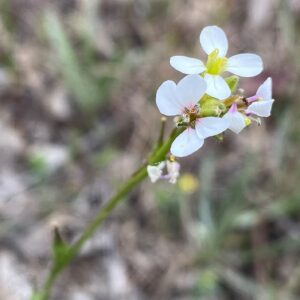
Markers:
(210, 104)
(232, 82)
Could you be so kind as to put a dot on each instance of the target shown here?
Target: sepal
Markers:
(232, 82)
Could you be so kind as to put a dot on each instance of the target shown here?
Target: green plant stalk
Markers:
(58, 266)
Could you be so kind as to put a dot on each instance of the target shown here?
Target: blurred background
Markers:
(77, 90)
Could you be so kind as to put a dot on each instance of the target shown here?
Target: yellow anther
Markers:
(248, 121)
(172, 158)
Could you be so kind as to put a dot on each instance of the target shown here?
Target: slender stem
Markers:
(106, 210)
(160, 141)
(57, 267)
(53, 273)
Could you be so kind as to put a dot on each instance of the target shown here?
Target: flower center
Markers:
(215, 65)
(189, 116)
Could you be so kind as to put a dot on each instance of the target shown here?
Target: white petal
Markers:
(187, 65)
(161, 165)
(154, 173)
(217, 87)
(213, 37)
(245, 65)
(166, 99)
(260, 108)
(265, 90)
(173, 168)
(186, 143)
(211, 126)
(190, 90)
(236, 121)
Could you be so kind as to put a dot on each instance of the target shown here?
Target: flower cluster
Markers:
(204, 101)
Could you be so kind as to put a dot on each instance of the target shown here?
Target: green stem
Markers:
(58, 266)
(53, 273)
(106, 210)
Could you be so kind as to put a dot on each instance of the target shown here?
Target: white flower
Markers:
(182, 99)
(214, 42)
(155, 172)
(173, 168)
(237, 121)
(260, 105)
(261, 102)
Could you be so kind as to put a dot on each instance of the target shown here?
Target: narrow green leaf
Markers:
(79, 81)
